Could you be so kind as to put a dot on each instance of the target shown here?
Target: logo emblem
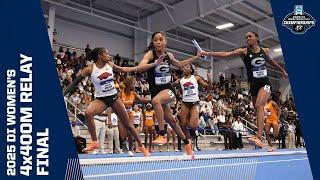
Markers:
(162, 68)
(257, 62)
(298, 21)
(104, 75)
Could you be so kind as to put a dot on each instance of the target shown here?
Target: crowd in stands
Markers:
(222, 110)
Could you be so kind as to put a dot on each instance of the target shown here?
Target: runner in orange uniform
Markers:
(148, 126)
(272, 120)
(129, 97)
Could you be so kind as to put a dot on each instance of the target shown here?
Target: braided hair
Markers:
(94, 54)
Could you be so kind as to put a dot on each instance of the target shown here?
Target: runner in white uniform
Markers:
(136, 116)
(190, 98)
(101, 74)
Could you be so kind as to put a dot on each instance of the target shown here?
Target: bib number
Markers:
(114, 120)
(128, 109)
(260, 72)
(190, 92)
(162, 80)
(162, 74)
(107, 86)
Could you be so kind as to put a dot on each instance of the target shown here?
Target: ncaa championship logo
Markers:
(298, 21)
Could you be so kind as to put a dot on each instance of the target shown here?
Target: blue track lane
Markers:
(265, 167)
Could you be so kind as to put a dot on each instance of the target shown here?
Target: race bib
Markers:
(267, 113)
(136, 119)
(163, 80)
(129, 109)
(114, 120)
(260, 72)
(190, 92)
(162, 74)
(149, 117)
(107, 85)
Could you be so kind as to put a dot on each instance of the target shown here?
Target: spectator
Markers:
(233, 81)
(117, 59)
(68, 54)
(291, 131)
(238, 127)
(227, 134)
(171, 134)
(60, 53)
(298, 133)
(112, 133)
(221, 81)
(213, 124)
(202, 105)
(282, 133)
(100, 122)
(87, 50)
(75, 100)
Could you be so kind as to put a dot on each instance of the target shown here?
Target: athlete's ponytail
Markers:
(94, 54)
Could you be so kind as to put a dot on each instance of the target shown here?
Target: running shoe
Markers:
(254, 140)
(96, 151)
(124, 147)
(196, 148)
(161, 140)
(92, 146)
(271, 149)
(130, 153)
(145, 151)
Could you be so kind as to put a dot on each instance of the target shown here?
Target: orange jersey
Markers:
(272, 113)
(149, 118)
(128, 100)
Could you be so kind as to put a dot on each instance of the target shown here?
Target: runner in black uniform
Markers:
(255, 58)
(159, 79)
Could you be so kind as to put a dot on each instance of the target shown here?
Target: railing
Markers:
(246, 123)
(206, 142)
(76, 110)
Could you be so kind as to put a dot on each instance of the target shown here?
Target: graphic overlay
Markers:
(22, 76)
(233, 115)
(299, 21)
(36, 135)
(295, 49)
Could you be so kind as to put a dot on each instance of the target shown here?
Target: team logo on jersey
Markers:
(257, 62)
(188, 85)
(104, 75)
(298, 21)
(162, 68)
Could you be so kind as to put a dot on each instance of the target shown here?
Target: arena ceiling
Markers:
(182, 20)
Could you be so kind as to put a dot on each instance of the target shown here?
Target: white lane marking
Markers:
(187, 168)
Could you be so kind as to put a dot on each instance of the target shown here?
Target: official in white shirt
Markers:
(112, 132)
